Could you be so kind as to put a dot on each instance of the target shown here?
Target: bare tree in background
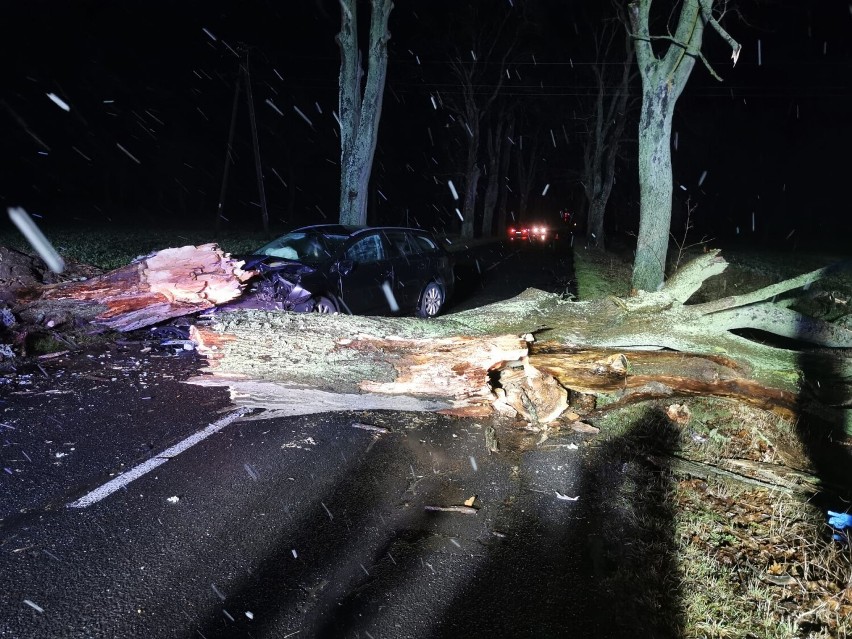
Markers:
(663, 80)
(360, 104)
(527, 158)
(503, 187)
(497, 148)
(606, 128)
(474, 70)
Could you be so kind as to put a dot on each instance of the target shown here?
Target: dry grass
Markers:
(741, 561)
(759, 564)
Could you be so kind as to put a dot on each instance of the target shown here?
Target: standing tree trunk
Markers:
(505, 159)
(492, 187)
(360, 112)
(474, 105)
(663, 80)
(527, 168)
(471, 182)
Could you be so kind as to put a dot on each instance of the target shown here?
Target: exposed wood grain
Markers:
(170, 283)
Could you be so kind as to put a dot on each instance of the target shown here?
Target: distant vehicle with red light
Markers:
(530, 233)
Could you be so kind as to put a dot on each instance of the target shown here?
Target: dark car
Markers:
(350, 269)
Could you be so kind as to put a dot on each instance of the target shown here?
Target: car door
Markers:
(410, 268)
(362, 287)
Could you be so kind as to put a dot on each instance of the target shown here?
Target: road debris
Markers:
(369, 427)
(583, 427)
(464, 510)
(679, 414)
(492, 444)
(566, 497)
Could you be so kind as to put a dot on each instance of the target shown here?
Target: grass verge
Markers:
(744, 561)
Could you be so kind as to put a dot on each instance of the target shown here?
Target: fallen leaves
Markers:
(773, 539)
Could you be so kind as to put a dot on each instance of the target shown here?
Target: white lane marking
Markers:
(146, 467)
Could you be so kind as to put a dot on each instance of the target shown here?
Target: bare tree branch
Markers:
(707, 14)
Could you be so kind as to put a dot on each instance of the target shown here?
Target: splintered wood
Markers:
(453, 369)
(170, 283)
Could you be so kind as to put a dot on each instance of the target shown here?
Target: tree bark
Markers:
(360, 112)
(486, 359)
(655, 188)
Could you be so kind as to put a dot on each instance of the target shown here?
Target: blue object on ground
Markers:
(840, 522)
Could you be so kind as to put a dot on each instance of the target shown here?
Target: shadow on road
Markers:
(539, 564)
(603, 566)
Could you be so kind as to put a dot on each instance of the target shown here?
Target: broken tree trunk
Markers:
(651, 345)
(166, 284)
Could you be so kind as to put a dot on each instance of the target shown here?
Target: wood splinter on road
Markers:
(464, 510)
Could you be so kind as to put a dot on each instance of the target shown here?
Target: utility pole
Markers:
(243, 77)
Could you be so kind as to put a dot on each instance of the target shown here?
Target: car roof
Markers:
(346, 229)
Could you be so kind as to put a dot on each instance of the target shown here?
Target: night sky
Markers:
(150, 88)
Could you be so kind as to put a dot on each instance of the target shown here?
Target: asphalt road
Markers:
(134, 505)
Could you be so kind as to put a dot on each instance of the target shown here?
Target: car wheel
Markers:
(324, 305)
(431, 301)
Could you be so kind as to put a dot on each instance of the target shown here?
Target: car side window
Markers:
(423, 243)
(366, 250)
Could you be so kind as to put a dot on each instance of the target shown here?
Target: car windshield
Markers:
(308, 247)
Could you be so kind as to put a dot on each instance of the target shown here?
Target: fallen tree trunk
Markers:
(167, 284)
(651, 345)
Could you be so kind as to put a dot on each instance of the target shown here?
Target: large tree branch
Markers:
(678, 60)
(771, 291)
(786, 323)
(707, 14)
(170, 283)
(692, 275)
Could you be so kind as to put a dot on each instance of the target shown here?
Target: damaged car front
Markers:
(292, 273)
